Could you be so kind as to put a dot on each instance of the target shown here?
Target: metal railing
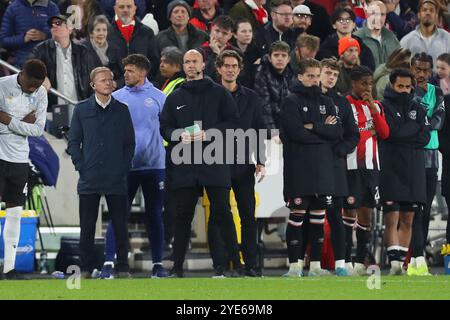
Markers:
(52, 91)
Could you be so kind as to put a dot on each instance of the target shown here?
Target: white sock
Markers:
(339, 264)
(301, 264)
(314, 265)
(109, 263)
(349, 265)
(294, 267)
(359, 266)
(11, 235)
(396, 264)
(420, 261)
(412, 262)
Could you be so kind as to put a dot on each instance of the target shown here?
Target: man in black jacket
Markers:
(431, 99)
(101, 144)
(444, 148)
(272, 82)
(344, 146)
(131, 36)
(320, 26)
(402, 178)
(279, 29)
(309, 128)
(193, 114)
(343, 20)
(68, 63)
(181, 33)
(229, 64)
(328, 77)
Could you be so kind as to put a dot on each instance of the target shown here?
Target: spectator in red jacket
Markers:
(206, 12)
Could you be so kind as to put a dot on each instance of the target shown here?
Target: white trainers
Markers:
(359, 269)
(319, 273)
(293, 274)
(396, 271)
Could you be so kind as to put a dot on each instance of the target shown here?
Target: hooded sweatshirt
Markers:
(145, 104)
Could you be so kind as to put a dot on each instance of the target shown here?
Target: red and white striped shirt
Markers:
(365, 156)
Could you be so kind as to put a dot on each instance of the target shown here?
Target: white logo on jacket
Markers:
(180, 107)
(413, 114)
(323, 109)
(149, 102)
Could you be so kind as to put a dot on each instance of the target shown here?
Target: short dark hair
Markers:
(422, 57)
(445, 57)
(279, 46)
(402, 73)
(358, 72)
(95, 21)
(173, 55)
(137, 59)
(307, 63)
(277, 3)
(339, 11)
(229, 54)
(224, 22)
(331, 63)
(239, 21)
(35, 70)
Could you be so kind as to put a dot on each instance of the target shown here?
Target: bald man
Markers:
(192, 113)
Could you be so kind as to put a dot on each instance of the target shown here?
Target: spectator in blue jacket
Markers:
(25, 25)
(145, 103)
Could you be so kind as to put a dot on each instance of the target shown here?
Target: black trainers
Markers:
(238, 273)
(252, 273)
(176, 273)
(219, 273)
(123, 275)
(14, 275)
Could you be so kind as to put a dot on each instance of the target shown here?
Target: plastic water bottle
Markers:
(43, 264)
(58, 275)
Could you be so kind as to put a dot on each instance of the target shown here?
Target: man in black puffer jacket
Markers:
(189, 115)
(402, 158)
(272, 82)
(309, 129)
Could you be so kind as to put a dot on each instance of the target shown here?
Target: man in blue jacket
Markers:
(101, 144)
(145, 103)
(24, 25)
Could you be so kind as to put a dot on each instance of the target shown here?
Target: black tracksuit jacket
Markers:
(198, 101)
(402, 155)
(308, 170)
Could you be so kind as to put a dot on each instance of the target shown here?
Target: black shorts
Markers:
(390, 206)
(363, 189)
(309, 203)
(13, 182)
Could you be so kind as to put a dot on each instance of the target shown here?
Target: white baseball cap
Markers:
(302, 9)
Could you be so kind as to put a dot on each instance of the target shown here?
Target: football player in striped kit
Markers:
(363, 165)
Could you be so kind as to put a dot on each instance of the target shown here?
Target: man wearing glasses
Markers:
(320, 25)
(343, 21)
(302, 18)
(68, 63)
(280, 27)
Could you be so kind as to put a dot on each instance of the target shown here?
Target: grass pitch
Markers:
(267, 288)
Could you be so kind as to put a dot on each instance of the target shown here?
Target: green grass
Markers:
(270, 288)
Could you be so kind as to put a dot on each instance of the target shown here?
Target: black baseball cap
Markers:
(59, 17)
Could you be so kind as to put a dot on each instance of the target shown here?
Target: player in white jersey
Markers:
(23, 108)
